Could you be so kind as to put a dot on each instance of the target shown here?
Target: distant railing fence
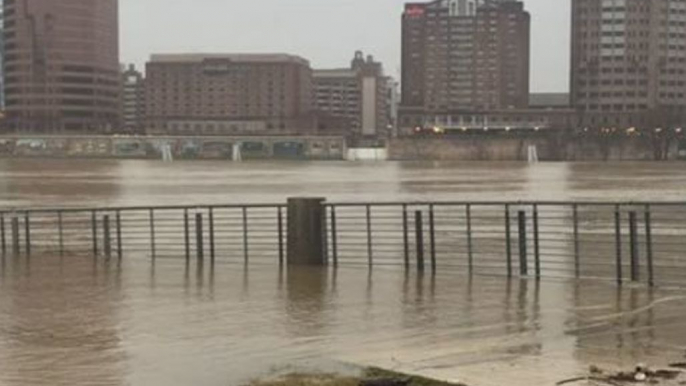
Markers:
(638, 242)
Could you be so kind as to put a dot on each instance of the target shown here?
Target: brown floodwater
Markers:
(80, 321)
(97, 183)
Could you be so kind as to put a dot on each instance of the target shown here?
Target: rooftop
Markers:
(241, 58)
(335, 73)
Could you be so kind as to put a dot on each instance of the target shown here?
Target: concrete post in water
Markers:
(306, 231)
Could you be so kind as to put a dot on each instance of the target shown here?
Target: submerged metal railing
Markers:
(639, 242)
(238, 232)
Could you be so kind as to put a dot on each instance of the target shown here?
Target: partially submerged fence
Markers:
(237, 232)
(641, 242)
(625, 241)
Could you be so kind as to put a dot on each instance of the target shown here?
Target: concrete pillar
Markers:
(306, 231)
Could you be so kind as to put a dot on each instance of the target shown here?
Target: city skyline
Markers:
(377, 32)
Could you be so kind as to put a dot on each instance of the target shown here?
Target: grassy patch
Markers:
(308, 380)
(370, 374)
(376, 373)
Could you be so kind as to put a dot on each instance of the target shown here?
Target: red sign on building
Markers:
(414, 11)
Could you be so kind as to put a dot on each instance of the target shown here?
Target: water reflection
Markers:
(308, 300)
(60, 323)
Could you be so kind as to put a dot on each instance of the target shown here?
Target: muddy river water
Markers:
(79, 321)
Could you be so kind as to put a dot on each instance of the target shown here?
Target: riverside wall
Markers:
(189, 148)
(468, 147)
(550, 147)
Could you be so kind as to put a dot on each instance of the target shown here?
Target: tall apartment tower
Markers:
(61, 65)
(464, 55)
(133, 100)
(629, 62)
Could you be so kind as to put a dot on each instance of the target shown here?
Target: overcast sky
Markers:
(327, 32)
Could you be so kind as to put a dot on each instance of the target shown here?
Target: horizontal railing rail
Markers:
(623, 241)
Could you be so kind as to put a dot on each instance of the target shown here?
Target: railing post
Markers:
(334, 236)
(470, 248)
(325, 235)
(370, 245)
(306, 219)
(187, 234)
(3, 238)
(94, 232)
(432, 237)
(577, 249)
(246, 246)
(211, 225)
(537, 244)
(649, 245)
(406, 239)
(633, 237)
(508, 241)
(153, 245)
(280, 231)
(60, 232)
(107, 244)
(523, 258)
(16, 247)
(419, 233)
(618, 244)
(200, 249)
(27, 233)
(120, 247)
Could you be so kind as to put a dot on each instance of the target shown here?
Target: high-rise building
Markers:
(629, 62)
(133, 100)
(463, 55)
(61, 65)
(220, 94)
(2, 58)
(356, 97)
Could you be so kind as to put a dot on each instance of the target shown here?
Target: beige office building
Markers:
(228, 94)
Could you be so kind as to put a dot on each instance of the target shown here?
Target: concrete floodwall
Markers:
(367, 154)
(550, 147)
(184, 148)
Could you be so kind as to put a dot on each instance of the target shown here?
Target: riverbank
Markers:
(367, 377)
